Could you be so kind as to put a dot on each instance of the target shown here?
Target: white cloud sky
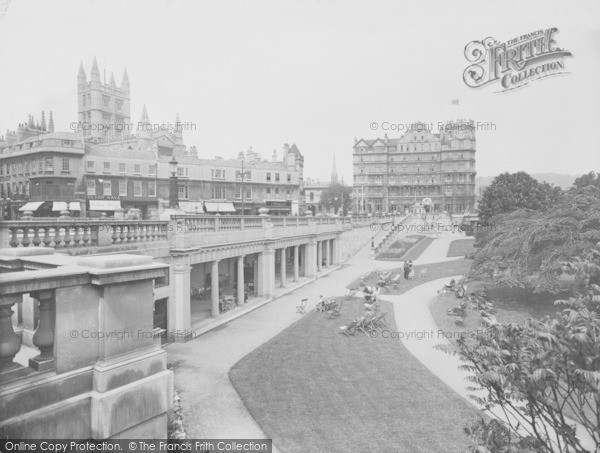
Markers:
(317, 73)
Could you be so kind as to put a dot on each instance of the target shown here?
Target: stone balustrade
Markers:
(98, 354)
(71, 233)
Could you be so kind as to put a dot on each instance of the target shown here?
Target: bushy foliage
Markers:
(526, 248)
(543, 376)
(510, 192)
(332, 197)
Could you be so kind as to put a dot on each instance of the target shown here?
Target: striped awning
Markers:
(219, 207)
(74, 206)
(192, 207)
(31, 206)
(59, 206)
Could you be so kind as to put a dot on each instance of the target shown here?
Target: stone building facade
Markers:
(421, 171)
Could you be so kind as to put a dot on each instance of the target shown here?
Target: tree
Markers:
(587, 180)
(509, 192)
(543, 376)
(526, 248)
(332, 197)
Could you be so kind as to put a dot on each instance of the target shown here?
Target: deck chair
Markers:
(366, 325)
(381, 321)
(302, 307)
(350, 329)
(423, 273)
(334, 311)
(351, 293)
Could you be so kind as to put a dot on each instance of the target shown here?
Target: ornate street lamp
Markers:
(173, 185)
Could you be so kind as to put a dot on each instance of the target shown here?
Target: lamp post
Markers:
(173, 185)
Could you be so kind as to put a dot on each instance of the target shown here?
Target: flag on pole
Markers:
(454, 101)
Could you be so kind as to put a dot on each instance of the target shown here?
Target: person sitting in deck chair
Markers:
(460, 291)
(368, 293)
(448, 286)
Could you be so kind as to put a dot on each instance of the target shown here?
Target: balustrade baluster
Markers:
(43, 338)
(47, 239)
(86, 236)
(25, 240)
(36, 237)
(67, 236)
(129, 234)
(57, 238)
(10, 343)
(77, 236)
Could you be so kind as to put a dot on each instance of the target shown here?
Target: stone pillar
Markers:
(43, 338)
(319, 255)
(336, 250)
(327, 252)
(266, 273)
(310, 259)
(296, 263)
(30, 313)
(255, 269)
(240, 280)
(180, 296)
(282, 269)
(214, 287)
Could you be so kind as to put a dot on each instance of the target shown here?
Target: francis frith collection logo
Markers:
(514, 63)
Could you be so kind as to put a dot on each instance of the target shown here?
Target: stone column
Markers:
(30, 313)
(180, 296)
(319, 255)
(255, 270)
(282, 269)
(240, 280)
(336, 250)
(296, 263)
(266, 273)
(327, 252)
(214, 287)
(310, 259)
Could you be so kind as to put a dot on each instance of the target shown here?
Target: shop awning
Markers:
(74, 206)
(31, 206)
(59, 206)
(219, 207)
(192, 207)
(105, 205)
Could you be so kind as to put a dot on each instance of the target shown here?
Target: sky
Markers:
(316, 73)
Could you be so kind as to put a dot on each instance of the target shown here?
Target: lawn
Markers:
(312, 389)
(461, 247)
(414, 252)
(434, 271)
(512, 305)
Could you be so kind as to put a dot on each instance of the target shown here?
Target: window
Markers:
(218, 193)
(179, 171)
(268, 191)
(49, 164)
(289, 178)
(91, 166)
(268, 176)
(40, 165)
(66, 164)
(137, 188)
(277, 177)
(152, 169)
(122, 168)
(238, 192)
(152, 188)
(106, 167)
(249, 193)
(137, 169)
(106, 188)
(20, 168)
(183, 191)
(91, 187)
(276, 191)
(288, 192)
(119, 104)
(311, 196)
(122, 188)
(26, 167)
(218, 174)
(105, 100)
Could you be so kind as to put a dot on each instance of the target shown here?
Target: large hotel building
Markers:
(421, 171)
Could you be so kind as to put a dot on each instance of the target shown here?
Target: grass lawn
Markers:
(461, 247)
(512, 305)
(414, 252)
(312, 389)
(413, 245)
(434, 271)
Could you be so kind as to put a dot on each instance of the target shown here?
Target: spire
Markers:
(51, 123)
(95, 72)
(144, 118)
(177, 123)
(43, 121)
(125, 81)
(31, 124)
(81, 74)
(112, 80)
(334, 175)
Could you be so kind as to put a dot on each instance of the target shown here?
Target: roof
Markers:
(118, 151)
(234, 163)
(51, 135)
(294, 149)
